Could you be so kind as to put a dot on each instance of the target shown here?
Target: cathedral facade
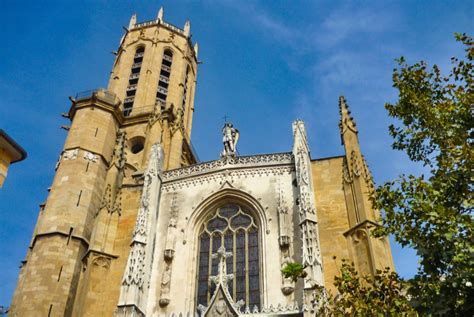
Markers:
(135, 225)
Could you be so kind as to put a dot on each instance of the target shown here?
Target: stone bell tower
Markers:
(80, 244)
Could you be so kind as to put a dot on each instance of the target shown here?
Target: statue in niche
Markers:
(230, 138)
(165, 286)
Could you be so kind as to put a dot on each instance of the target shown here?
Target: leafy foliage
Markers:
(294, 271)
(433, 214)
(380, 295)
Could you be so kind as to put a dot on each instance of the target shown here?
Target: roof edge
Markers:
(15, 145)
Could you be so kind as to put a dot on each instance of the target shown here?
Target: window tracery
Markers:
(234, 227)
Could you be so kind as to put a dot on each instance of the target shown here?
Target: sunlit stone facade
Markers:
(134, 225)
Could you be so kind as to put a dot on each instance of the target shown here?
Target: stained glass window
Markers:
(236, 229)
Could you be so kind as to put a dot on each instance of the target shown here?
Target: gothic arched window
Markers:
(164, 79)
(231, 226)
(133, 80)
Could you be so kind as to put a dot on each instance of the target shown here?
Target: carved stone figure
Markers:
(70, 154)
(230, 138)
(91, 157)
(165, 286)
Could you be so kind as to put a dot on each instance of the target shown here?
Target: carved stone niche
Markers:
(169, 255)
(284, 242)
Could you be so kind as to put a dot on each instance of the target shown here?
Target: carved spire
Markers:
(160, 14)
(357, 179)
(133, 21)
(311, 257)
(187, 28)
(347, 122)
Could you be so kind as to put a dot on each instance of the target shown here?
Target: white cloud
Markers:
(343, 23)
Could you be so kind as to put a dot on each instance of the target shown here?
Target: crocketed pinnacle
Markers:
(346, 122)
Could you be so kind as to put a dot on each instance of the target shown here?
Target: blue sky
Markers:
(264, 64)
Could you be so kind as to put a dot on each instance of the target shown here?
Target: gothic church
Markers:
(135, 225)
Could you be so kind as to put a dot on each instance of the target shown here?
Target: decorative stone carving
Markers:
(140, 260)
(70, 154)
(312, 259)
(355, 164)
(134, 273)
(283, 218)
(236, 161)
(221, 303)
(230, 137)
(346, 174)
(284, 240)
(169, 253)
(91, 157)
(165, 286)
(347, 122)
(142, 218)
(119, 155)
(227, 176)
(111, 203)
(101, 261)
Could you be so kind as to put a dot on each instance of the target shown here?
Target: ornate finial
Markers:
(160, 14)
(156, 156)
(230, 138)
(347, 122)
(196, 49)
(133, 21)
(187, 28)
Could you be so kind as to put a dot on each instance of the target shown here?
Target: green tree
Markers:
(380, 295)
(383, 294)
(433, 213)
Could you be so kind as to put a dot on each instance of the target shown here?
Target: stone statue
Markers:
(230, 138)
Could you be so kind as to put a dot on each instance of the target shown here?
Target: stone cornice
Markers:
(95, 100)
(82, 239)
(364, 224)
(93, 251)
(264, 160)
